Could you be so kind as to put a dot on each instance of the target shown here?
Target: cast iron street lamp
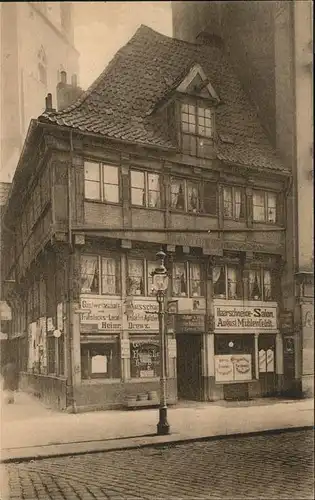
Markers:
(160, 284)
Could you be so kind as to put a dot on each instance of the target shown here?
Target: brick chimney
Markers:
(67, 93)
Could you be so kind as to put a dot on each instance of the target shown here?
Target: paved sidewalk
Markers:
(31, 430)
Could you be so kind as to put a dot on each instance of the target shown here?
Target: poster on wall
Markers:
(99, 364)
(233, 367)
(242, 366)
(223, 368)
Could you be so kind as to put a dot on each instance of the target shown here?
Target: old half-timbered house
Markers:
(164, 150)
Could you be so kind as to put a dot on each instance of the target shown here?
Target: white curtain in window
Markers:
(238, 203)
(88, 269)
(272, 207)
(108, 276)
(154, 190)
(193, 197)
(232, 283)
(255, 285)
(228, 205)
(195, 279)
(179, 279)
(151, 266)
(216, 271)
(259, 207)
(267, 284)
(178, 195)
(135, 275)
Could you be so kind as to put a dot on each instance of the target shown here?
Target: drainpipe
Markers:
(70, 347)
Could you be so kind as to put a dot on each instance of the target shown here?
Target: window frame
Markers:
(234, 204)
(227, 267)
(266, 195)
(201, 184)
(146, 189)
(99, 268)
(188, 279)
(111, 345)
(195, 137)
(262, 284)
(101, 182)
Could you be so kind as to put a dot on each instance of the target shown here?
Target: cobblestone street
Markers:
(266, 466)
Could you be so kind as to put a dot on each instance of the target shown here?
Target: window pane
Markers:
(89, 274)
(239, 203)
(210, 198)
(196, 283)
(178, 194)
(100, 360)
(228, 202)
(91, 171)
(92, 190)
(109, 276)
(255, 285)
(154, 199)
(151, 266)
(137, 179)
(192, 196)
(144, 358)
(272, 207)
(110, 174)
(218, 276)
(111, 193)
(137, 197)
(189, 144)
(267, 285)
(258, 206)
(179, 279)
(135, 277)
(234, 283)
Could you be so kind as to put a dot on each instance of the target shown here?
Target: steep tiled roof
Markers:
(120, 103)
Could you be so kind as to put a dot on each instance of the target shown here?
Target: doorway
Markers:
(189, 380)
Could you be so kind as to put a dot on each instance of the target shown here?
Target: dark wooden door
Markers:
(189, 382)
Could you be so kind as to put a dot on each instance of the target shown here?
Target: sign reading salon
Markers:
(239, 318)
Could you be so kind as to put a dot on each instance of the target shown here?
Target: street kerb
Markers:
(146, 441)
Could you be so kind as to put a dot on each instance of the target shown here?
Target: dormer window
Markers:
(196, 129)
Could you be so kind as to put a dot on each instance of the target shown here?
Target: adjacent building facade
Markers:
(271, 47)
(30, 67)
(165, 151)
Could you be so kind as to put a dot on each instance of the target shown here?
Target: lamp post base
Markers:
(163, 427)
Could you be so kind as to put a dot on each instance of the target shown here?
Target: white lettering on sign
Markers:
(142, 316)
(105, 314)
(242, 317)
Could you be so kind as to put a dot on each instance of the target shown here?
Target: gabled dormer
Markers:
(197, 101)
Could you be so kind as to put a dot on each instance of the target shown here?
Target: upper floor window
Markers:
(145, 189)
(227, 282)
(101, 182)
(261, 285)
(264, 206)
(140, 276)
(233, 202)
(197, 129)
(100, 275)
(187, 280)
(193, 196)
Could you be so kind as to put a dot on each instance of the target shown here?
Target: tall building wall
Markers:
(36, 44)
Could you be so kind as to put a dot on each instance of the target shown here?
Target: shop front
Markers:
(247, 350)
(120, 352)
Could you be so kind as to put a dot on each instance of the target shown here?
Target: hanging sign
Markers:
(190, 323)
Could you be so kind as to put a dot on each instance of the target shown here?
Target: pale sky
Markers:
(101, 28)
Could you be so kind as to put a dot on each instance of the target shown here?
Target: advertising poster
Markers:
(233, 367)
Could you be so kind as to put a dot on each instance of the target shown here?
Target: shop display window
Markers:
(144, 357)
(100, 360)
(234, 358)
